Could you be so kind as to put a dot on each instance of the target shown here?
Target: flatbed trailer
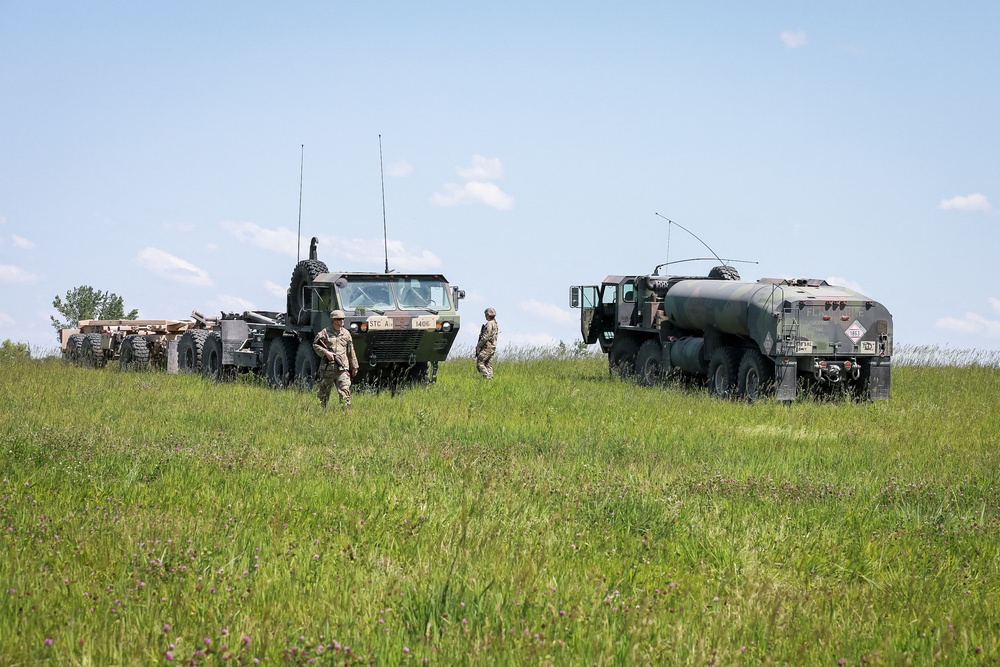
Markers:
(134, 344)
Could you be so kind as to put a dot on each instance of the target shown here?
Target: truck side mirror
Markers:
(574, 297)
(457, 295)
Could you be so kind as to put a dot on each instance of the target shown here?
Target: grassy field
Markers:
(551, 516)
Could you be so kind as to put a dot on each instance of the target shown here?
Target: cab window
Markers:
(609, 295)
(628, 291)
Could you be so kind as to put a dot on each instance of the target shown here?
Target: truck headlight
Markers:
(446, 326)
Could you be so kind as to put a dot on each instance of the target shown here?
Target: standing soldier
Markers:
(339, 363)
(487, 344)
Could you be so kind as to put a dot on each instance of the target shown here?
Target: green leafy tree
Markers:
(86, 303)
(11, 351)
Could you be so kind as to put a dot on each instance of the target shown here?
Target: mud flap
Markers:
(880, 382)
(784, 381)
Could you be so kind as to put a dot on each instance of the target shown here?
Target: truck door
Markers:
(587, 299)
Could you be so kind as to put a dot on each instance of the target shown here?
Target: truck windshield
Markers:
(422, 294)
(375, 294)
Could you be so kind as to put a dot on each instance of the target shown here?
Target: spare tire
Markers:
(724, 272)
(303, 275)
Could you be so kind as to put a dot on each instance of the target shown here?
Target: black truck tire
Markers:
(189, 350)
(621, 359)
(73, 344)
(649, 363)
(91, 354)
(134, 354)
(756, 377)
(306, 366)
(211, 357)
(304, 274)
(280, 365)
(723, 372)
(724, 272)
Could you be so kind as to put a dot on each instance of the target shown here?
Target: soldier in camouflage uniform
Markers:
(339, 363)
(487, 345)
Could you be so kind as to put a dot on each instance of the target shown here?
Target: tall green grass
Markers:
(553, 515)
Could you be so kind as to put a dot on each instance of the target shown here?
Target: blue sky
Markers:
(153, 149)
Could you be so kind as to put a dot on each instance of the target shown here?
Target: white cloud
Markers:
(399, 168)
(973, 202)
(3, 220)
(973, 323)
(478, 188)
(280, 240)
(231, 304)
(15, 274)
(6, 320)
(172, 268)
(369, 254)
(22, 243)
(548, 311)
(275, 289)
(482, 169)
(794, 39)
(474, 192)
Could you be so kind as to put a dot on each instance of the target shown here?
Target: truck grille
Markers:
(395, 345)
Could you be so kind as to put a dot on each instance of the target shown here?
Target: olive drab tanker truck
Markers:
(747, 339)
(403, 325)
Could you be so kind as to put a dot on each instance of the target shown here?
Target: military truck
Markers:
(745, 339)
(403, 325)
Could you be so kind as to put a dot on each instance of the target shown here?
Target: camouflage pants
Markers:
(329, 376)
(484, 362)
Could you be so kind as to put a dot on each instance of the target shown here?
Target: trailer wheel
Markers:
(134, 354)
(621, 359)
(304, 274)
(91, 353)
(281, 361)
(306, 366)
(756, 377)
(189, 350)
(73, 343)
(649, 363)
(723, 372)
(211, 357)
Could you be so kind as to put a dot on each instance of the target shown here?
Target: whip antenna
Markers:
(385, 235)
(298, 238)
(692, 234)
